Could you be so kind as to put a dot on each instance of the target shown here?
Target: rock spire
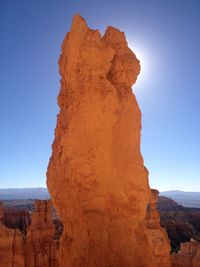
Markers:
(96, 175)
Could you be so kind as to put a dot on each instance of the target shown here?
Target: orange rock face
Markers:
(157, 235)
(189, 255)
(96, 175)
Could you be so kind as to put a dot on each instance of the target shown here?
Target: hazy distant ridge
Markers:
(187, 199)
(24, 193)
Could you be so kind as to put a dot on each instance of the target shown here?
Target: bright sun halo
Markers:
(142, 57)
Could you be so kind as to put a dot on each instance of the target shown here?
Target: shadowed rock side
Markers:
(96, 175)
(189, 255)
(18, 219)
(156, 234)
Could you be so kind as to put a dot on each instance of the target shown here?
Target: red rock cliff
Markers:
(96, 175)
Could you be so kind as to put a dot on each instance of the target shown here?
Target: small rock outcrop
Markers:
(40, 248)
(189, 255)
(156, 234)
(11, 251)
(96, 175)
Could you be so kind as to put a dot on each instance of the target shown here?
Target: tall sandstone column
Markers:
(96, 175)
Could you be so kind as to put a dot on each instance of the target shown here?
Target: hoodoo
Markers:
(96, 175)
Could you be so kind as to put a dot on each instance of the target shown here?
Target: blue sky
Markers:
(166, 38)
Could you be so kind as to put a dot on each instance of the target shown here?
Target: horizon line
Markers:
(40, 187)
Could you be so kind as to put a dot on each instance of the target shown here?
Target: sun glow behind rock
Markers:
(142, 56)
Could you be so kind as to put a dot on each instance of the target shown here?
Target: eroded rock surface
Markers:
(36, 247)
(40, 248)
(156, 234)
(189, 255)
(96, 175)
(11, 252)
(181, 223)
(17, 219)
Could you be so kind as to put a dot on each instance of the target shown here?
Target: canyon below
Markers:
(30, 232)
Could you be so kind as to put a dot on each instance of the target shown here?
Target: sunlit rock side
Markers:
(156, 234)
(96, 175)
(40, 248)
(189, 255)
(11, 252)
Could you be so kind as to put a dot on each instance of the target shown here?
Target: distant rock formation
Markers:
(11, 251)
(40, 248)
(168, 204)
(96, 175)
(17, 219)
(186, 199)
(36, 247)
(181, 223)
(156, 234)
(189, 255)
